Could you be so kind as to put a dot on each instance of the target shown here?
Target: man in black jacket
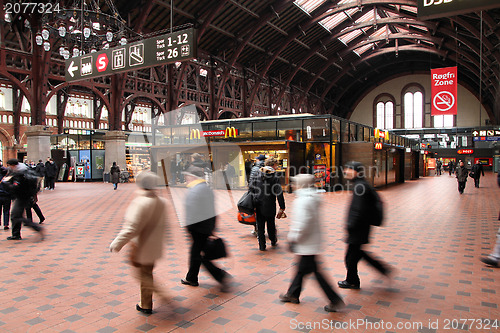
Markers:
(477, 171)
(50, 173)
(15, 181)
(358, 226)
(200, 222)
(265, 189)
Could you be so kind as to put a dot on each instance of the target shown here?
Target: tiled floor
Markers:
(433, 237)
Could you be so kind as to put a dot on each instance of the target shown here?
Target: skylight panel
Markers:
(309, 5)
(360, 50)
(367, 17)
(350, 36)
(332, 21)
(380, 32)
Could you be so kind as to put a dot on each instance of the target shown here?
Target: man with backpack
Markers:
(365, 211)
(23, 185)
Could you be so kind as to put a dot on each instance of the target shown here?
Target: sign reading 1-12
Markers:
(160, 50)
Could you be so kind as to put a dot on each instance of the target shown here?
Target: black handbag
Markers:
(245, 204)
(215, 249)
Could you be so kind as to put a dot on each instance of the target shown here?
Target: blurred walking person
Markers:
(144, 227)
(200, 222)
(305, 241)
(5, 198)
(494, 258)
(359, 222)
(22, 187)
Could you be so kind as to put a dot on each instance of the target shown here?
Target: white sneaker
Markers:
(254, 233)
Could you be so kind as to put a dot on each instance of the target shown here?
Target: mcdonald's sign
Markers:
(231, 132)
(378, 145)
(195, 134)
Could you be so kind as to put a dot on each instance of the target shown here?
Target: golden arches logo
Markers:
(231, 132)
(195, 134)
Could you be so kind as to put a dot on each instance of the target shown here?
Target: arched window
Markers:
(11, 119)
(413, 104)
(2, 101)
(384, 112)
(1, 151)
(4, 118)
(385, 115)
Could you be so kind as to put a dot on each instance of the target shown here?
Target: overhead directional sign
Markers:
(429, 9)
(160, 50)
(490, 132)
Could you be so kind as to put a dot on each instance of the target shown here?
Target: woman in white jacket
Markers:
(305, 241)
(144, 228)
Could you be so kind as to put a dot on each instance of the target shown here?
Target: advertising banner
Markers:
(444, 91)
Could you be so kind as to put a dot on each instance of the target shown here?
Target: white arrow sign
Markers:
(475, 133)
(72, 68)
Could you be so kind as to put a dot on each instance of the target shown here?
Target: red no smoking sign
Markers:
(444, 91)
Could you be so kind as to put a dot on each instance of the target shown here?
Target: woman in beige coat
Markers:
(144, 228)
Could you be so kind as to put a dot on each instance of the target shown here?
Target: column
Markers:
(38, 143)
(115, 150)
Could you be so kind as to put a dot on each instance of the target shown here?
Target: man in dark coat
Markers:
(494, 258)
(16, 183)
(265, 189)
(200, 223)
(5, 198)
(477, 171)
(450, 167)
(50, 173)
(252, 178)
(358, 226)
(462, 174)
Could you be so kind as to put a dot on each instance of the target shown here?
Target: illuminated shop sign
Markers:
(465, 151)
(229, 132)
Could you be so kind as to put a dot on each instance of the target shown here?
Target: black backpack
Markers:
(29, 183)
(378, 210)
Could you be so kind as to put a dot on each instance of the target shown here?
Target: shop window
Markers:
(413, 103)
(290, 130)
(264, 130)
(335, 130)
(316, 129)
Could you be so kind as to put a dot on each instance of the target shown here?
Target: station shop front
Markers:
(301, 144)
(80, 155)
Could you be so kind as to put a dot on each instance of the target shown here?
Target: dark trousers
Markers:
(16, 216)
(306, 266)
(37, 210)
(196, 259)
(261, 229)
(476, 181)
(353, 255)
(461, 187)
(51, 181)
(5, 209)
